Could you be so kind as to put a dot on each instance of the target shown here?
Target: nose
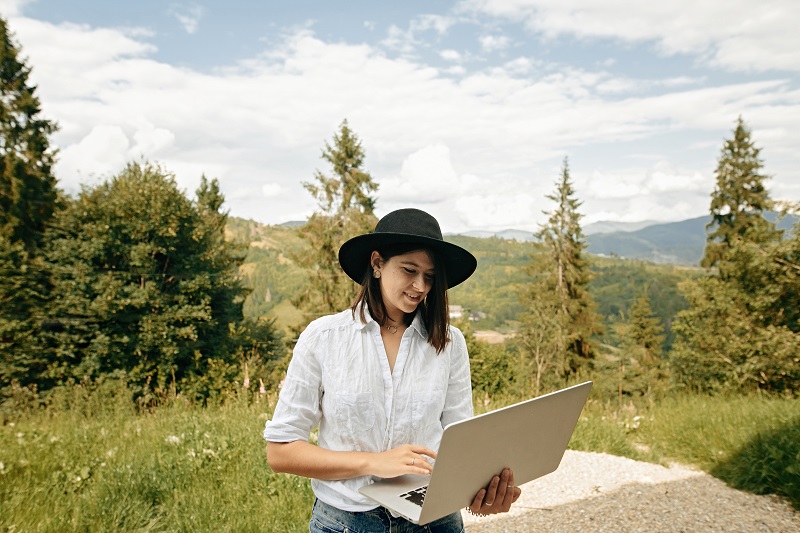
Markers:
(420, 283)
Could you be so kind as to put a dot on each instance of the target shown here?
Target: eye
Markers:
(430, 277)
(409, 271)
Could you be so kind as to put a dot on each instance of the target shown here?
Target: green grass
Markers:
(91, 462)
(180, 468)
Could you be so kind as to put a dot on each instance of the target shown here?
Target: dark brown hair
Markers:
(434, 309)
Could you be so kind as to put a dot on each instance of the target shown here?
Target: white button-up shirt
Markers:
(339, 379)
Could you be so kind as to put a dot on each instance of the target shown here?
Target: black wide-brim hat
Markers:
(406, 226)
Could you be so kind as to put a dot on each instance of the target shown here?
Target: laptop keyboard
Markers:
(416, 496)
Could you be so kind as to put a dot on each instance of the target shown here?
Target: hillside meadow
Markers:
(93, 461)
(492, 293)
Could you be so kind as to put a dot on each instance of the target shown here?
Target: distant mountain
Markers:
(611, 227)
(293, 224)
(518, 235)
(678, 243)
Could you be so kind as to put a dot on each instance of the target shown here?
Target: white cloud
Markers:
(426, 176)
(270, 190)
(492, 43)
(188, 16)
(100, 153)
(477, 149)
(450, 55)
(11, 8)
(732, 34)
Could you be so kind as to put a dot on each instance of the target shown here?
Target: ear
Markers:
(375, 260)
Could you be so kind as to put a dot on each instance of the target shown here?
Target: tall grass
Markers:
(94, 462)
(179, 468)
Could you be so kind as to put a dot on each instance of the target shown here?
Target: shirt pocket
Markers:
(426, 408)
(355, 412)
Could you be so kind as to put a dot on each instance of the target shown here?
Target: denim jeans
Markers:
(328, 519)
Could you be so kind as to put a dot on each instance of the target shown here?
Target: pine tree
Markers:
(739, 199)
(345, 209)
(645, 330)
(28, 199)
(566, 275)
(642, 345)
(27, 187)
(741, 329)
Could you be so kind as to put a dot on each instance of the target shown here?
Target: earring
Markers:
(376, 273)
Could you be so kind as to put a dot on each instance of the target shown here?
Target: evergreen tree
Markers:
(542, 338)
(28, 198)
(642, 349)
(345, 210)
(27, 187)
(645, 330)
(567, 276)
(739, 199)
(144, 284)
(741, 330)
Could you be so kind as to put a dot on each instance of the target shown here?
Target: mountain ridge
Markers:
(680, 243)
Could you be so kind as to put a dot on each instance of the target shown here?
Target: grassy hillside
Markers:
(492, 293)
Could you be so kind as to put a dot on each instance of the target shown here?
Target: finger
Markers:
(421, 465)
(508, 497)
(491, 492)
(475, 506)
(517, 494)
(424, 451)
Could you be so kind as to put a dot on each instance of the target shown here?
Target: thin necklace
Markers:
(392, 329)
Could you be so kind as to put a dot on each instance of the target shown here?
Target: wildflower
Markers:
(261, 389)
(246, 384)
(173, 440)
(209, 453)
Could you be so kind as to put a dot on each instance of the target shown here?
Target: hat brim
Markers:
(354, 255)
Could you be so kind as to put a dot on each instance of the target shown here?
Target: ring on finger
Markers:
(413, 460)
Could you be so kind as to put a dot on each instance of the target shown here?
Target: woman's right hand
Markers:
(406, 459)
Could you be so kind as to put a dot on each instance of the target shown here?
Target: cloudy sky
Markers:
(466, 108)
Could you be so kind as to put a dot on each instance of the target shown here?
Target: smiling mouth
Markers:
(413, 298)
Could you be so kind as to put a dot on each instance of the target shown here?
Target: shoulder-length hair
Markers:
(434, 310)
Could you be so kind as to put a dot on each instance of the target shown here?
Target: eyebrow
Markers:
(416, 265)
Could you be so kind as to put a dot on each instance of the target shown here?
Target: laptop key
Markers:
(416, 496)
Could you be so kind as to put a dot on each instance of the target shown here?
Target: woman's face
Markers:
(405, 281)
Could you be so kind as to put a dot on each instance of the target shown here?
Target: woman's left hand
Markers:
(497, 497)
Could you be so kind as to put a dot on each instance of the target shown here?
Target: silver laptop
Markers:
(529, 437)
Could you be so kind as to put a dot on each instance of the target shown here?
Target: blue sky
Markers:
(466, 108)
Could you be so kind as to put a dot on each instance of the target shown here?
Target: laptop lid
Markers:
(529, 437)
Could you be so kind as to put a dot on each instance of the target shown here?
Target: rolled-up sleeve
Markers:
(298, 410)
(458, 401)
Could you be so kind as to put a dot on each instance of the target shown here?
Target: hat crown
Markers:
(410, 221)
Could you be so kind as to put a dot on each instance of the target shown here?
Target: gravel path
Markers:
(601, 492)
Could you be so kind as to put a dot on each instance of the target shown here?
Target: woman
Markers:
(381, 380)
